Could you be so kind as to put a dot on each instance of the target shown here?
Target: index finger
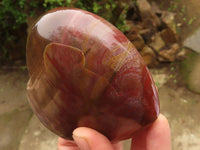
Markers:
(155, 137)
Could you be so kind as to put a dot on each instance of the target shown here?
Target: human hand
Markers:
(155, 137)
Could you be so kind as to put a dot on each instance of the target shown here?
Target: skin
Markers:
(155, 137)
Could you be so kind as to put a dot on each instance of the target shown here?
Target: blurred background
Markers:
(167, 35)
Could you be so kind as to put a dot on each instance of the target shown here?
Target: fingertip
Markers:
(157, 136)
(84, 132)
(161, 124)
(64, 144)
(89, 139)
(163, 119)
(118, 146)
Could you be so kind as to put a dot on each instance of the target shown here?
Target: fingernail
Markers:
(81, 142)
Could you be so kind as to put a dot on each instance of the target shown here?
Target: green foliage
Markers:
(14, 16)
(191, 20)
(13, 19)
(10, 19)
(10, 11)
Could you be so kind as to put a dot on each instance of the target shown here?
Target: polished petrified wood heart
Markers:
(85, 72)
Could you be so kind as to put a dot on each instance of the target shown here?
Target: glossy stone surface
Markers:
(85, 72)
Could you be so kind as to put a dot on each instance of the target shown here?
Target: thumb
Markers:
(89, 139)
